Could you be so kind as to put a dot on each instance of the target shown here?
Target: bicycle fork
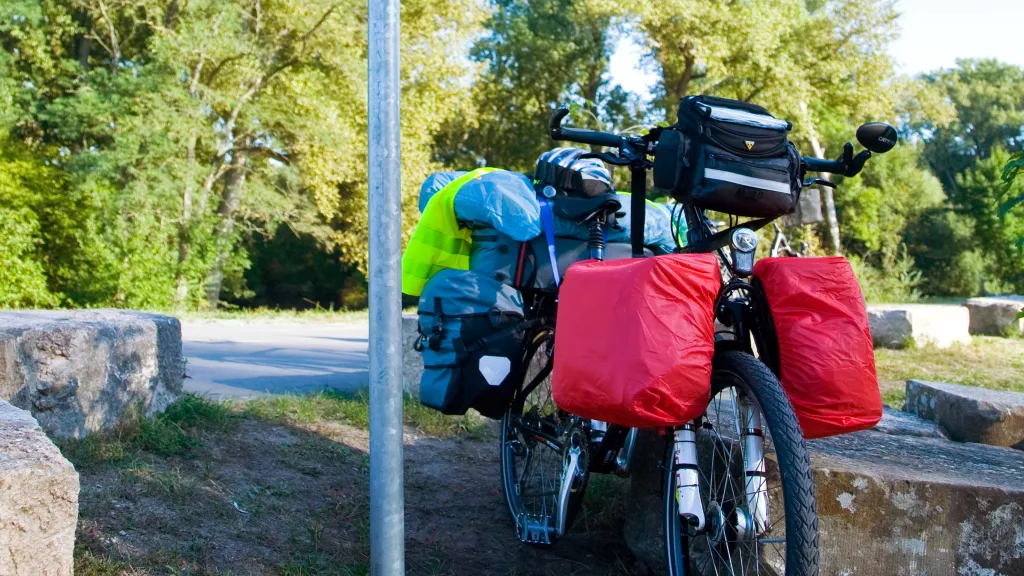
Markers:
(684, 467)
(756, 484)
(684, 460)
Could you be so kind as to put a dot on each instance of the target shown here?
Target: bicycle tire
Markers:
(794, 468)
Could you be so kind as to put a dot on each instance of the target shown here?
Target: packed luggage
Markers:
(472, 332)
(482, 236)
(663, 308)
(824, 357)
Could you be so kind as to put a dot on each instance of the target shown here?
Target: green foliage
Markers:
(179, 130)
(22, 279)
(942, 244)
(1010, 173)
(536, 55)
(989, 100)
(875, 207)
(171, 433)
(893, 279)
(977, 194)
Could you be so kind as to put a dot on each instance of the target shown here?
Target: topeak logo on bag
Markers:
(750, 144)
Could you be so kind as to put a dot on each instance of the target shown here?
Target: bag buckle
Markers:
(435, 337)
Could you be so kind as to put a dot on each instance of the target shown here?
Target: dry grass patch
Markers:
(279, 486)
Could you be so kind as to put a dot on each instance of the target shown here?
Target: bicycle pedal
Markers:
(535, 529)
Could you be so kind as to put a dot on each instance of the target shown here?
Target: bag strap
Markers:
(437, 332)
(721, 239)
(547, 219)
(482, 343)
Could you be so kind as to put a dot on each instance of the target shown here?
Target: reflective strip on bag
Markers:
(750, 181)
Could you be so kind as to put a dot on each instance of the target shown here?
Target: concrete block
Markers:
(412, 361)
(969, 413)
(996, 316)
(909, 505)
(78, 371)
(896, 325)
(38, 500)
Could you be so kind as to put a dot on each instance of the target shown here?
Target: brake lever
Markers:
(819, 182)
(606, 158)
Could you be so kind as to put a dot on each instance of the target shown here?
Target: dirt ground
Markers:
(262, 497)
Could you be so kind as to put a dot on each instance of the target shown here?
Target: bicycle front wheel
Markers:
(760, 513)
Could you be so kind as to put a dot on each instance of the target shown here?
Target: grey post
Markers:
(387, 495)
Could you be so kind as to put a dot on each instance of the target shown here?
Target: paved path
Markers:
(233, 358)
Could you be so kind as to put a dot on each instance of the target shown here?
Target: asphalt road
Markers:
(232, 358)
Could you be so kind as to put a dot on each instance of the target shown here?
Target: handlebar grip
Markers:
(591, 137)
(822, 165)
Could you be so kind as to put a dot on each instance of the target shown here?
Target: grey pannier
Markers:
(471, 335)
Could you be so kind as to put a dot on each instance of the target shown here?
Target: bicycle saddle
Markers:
(583, 209)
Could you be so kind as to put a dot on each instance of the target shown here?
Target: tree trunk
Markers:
(184, 235)
(234, 185)
(831, 219)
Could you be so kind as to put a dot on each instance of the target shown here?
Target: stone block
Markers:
(38, 500)
(888, 504)
(412, 361)
(996, 316)
(900, 423)
(896, 325)
(79, 371)
(968, 413)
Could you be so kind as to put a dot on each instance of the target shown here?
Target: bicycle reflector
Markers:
(744, 244)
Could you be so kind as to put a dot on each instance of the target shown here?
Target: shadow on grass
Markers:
(280, 486)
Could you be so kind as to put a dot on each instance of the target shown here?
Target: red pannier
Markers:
(826, 359)
(634, 339)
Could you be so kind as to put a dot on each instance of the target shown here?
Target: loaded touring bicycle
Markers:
(724, 385)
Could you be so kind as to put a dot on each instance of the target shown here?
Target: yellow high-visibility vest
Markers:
(438, 242)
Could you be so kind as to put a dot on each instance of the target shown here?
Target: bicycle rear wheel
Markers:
(537, 443)
(738, 537)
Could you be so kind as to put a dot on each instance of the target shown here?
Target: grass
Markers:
(988, 362)
(273, 314)
(171, 433)
(355, 410)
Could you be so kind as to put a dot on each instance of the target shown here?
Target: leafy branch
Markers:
(1013, 168)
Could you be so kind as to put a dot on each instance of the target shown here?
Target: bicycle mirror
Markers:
(878, 137)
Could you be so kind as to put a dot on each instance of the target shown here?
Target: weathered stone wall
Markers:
(79, 371)
(38, 500)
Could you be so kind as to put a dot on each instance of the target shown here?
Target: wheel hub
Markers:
(729, 524)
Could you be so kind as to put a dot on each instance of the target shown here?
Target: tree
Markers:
(876, 206)
(822, 64)
(187, 126)
(977, 195)
(989, 100)
(536, 55)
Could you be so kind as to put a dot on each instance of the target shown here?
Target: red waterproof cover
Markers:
(826, 358)
(634, 339)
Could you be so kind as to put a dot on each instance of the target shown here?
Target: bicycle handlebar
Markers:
(579, 135)
(846, 165)
(822, 165)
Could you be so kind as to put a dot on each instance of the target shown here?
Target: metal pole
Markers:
(387, 496)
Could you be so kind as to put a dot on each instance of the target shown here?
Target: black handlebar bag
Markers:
(729, 156)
